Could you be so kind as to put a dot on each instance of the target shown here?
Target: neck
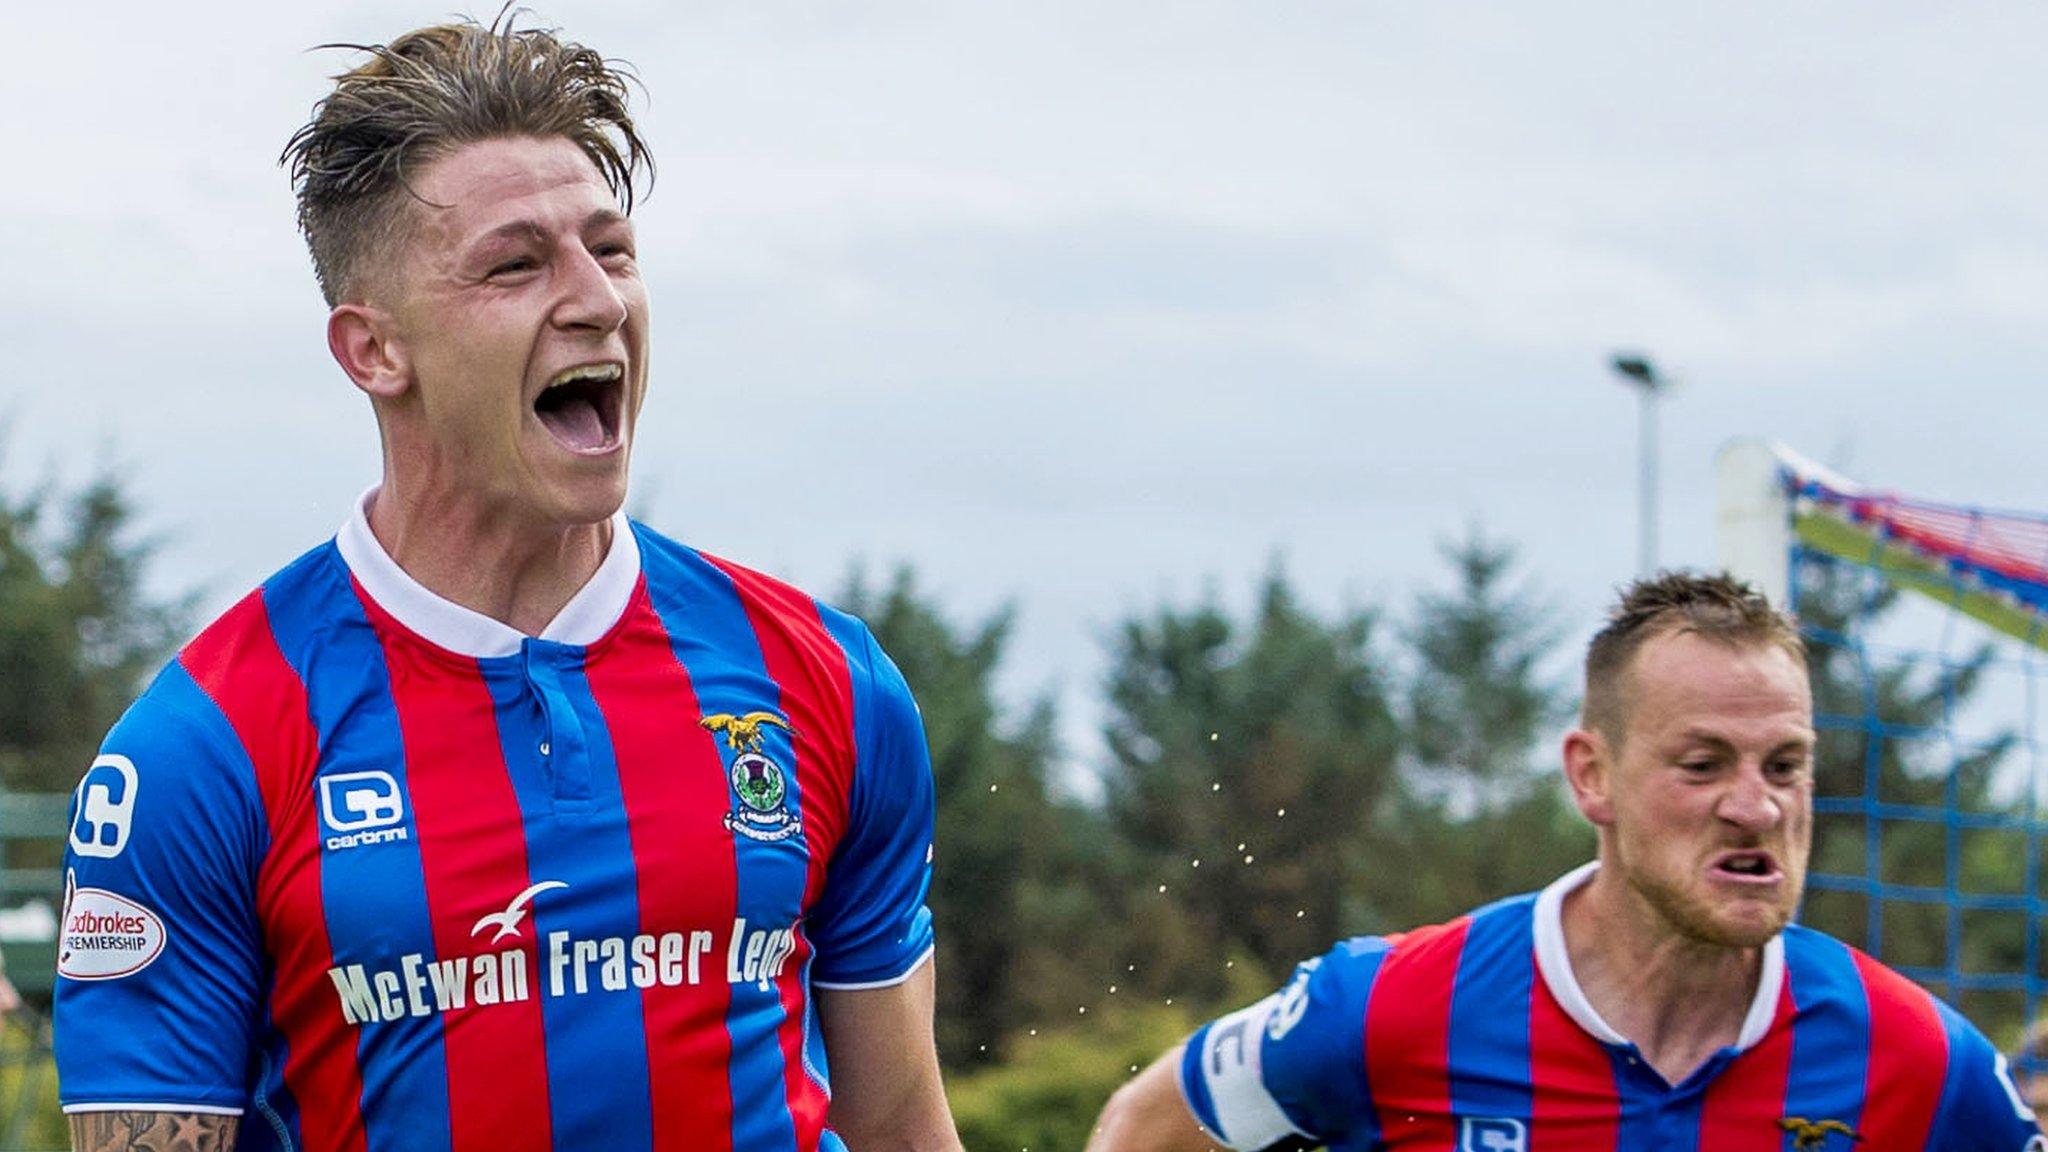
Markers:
(1677, 999)
(489, 561)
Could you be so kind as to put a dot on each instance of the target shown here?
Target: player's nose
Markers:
(589, 298)
(1749, 802)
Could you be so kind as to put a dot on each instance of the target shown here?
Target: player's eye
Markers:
(513, 266)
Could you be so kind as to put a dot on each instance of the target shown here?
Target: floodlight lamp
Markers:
(1637, 368)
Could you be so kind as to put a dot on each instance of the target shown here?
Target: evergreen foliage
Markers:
(1012, 889)
(79, 632)
(1248, 761)
(1481, 797)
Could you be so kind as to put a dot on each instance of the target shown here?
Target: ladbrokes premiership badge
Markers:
(104, 935)
(758, 782)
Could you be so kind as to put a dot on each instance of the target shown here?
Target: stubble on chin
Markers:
(1699, 918)
(1687, 905)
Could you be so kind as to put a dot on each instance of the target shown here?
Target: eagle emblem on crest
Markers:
(1808, 1135)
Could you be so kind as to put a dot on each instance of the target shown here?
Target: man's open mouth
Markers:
(1757, 865)
(580, 407)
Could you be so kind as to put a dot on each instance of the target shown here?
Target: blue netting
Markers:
(1930, 770)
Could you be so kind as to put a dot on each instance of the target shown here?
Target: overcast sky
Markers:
(1088, 306)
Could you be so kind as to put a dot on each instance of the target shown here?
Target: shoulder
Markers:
(1929, 1069)
(1501, 934)
(804, 639)
(1366, 976)
(1296, 1062)
(1830, 976)
(276, 624)
(778, 612)
(1907, 1027)
(196, 702)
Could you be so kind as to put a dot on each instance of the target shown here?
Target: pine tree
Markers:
(1247, 765)
(79, 631)
(1482, 810)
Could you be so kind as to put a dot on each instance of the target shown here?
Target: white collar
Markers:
(587, 616)
(1555, 963)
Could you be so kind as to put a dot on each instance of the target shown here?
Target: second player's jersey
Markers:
(1474, 1036)
(381, 874)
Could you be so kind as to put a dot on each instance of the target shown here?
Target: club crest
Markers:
(758, 782)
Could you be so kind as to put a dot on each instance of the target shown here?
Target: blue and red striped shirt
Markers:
(382, 873)
(1474, 1036)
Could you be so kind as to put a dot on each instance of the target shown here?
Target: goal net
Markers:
(1926, 624)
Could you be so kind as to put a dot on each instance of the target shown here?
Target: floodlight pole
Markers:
(1639, 374)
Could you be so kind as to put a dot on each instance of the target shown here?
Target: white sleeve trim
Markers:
(1233, 1067)
(153, 1106)
(890, 982)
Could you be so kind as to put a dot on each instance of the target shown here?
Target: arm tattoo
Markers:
(152, 1132)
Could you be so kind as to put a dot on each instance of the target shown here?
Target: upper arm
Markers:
(886, 1091)
(152, 1132)
(159, 927)
(871, 925)
(1289, 1071)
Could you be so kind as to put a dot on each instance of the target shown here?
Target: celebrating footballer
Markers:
(1657, 998)
(499, 821)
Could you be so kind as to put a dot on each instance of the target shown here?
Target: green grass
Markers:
(29, 1119)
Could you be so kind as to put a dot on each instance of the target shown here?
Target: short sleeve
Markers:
(1289, 1071)
(1981, 1109)
(160, 962)
(872, 927)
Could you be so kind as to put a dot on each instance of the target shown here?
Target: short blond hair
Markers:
(426, 94)
(1717, 607)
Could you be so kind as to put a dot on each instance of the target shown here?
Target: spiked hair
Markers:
(428, 93)
(1719, 608)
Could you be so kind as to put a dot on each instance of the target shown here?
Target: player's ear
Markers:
(1589, 769)
(364, 341)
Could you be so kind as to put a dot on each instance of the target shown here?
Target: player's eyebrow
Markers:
(1802, 742)
(605, 218)
(530, 230)
(511, 229)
